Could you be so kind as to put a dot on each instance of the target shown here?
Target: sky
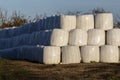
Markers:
(50, 7)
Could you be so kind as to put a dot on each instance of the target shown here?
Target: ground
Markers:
(23, 70)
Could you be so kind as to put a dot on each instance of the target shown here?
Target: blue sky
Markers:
(32, 7)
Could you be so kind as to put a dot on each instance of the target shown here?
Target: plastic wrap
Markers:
(90, 54)
(109, 54)
(78, 37)
(3, 33)
(16, 31)
(51, 55)
(41, 38)
(11, 32)
(104, 21)
(57, 21)
(96, 37)
(4, 43)
(85, 22)
(30, 53)
(113, 37)
(70, 54)
(68, 22)
(48, 23)
(59, 37)
(11, 53)
(36, 38)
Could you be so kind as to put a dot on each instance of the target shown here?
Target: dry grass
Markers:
(22, 70)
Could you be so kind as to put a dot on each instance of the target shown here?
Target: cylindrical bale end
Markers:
(78, 37)
(109, 54)
(68, 22)
(59, 37)
(104, 21)
(85, 22)
(70, 54)
(90, 54)
(113, 37)
(96, 37)
(51, 55)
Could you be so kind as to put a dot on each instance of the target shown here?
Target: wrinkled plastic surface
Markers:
(30, 53)
(85, 22)
(109, 54)
(113, 37)
(68, 22)
(78, 37)
(90, 54)
(96, 37)
(104, 21)
(51, 55)
(36, 38)
(59, 37)
(70, 54)
(48, 23)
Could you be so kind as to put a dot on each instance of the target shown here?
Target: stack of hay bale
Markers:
(83, 38)
(65, 39)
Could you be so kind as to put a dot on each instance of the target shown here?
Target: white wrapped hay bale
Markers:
(51, 55)
(90, 54)
(59, 37)
(96, 37)
(109, 54)
(104, 21)
(85, 22)
(78, 37)
(68, 22)
(113, 37)
(70, 54)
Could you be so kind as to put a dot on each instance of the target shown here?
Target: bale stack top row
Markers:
(67, 22)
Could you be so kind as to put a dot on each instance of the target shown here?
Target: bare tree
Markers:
(18, 19)
(3, 17)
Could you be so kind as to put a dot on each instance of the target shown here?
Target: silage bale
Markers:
(78, 37)
(51, 55)
(11, 53)
(59, 37)
(85, 22)
(90, 54)
(113, 37)
(31, 53)
(104, 21)
(96, 37)
(109, 54)
(70, 54)
(68, 22)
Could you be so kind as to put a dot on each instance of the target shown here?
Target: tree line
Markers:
(16, 19)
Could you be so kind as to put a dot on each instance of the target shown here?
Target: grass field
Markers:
(23, 70)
